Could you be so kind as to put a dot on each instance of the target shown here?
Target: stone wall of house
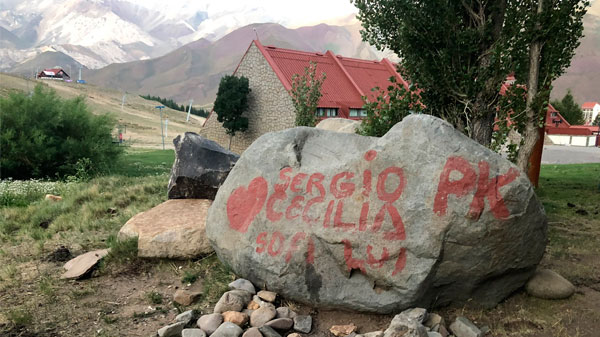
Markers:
(270, 105)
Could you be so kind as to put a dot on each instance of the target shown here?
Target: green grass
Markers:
(571, 197)
(578, 184)
(154, 297)
(139, 163)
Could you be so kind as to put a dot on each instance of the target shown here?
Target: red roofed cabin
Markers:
(53, 74)
(560, 132)
(270, 70)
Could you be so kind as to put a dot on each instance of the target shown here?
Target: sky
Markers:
(291, 13)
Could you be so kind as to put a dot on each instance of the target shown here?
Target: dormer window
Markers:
(358, 113)
(327, 112)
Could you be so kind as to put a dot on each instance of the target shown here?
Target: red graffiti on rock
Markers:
(485, 188)
(310, 199)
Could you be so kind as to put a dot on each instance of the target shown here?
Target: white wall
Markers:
(573, 140)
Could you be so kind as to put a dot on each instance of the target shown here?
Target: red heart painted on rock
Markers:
(245, 203)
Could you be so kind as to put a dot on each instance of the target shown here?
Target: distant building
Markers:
(590, 111)
(53, 74)
(270, 70)
(560, 132)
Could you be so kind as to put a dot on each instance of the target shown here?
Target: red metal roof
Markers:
(573, 131)
(348, 79)
(589, 105)
(555, 120)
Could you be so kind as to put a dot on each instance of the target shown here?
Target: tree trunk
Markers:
(531, 133)
(483, 128)
(229, 147)
(486, 101)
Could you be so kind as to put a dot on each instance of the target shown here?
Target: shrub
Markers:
(46, 136)
(231, 103)
(388, 108)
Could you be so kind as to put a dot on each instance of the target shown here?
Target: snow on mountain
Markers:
(100, 32)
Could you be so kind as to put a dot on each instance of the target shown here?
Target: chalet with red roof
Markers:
(561, 132)
(591, 110)
(53, 74)
(270, 70)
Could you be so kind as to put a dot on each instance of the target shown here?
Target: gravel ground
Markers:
(557, 154)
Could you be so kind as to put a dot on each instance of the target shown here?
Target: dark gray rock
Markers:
(233, 300)
(417, 314)
(252, 332)
(243, 284)
(209, 323)
(227, 329)
(421, 216)
(267, 331)
(303, 323)
(285, 312)
(405, 326)
(171, 330)
(186, 317)
(462, 327)
(281, 323)
(193, 333)
(200, 167)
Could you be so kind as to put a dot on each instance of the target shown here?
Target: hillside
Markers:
(194, 70)
(583, 74)
(139, 117)
(50, 59)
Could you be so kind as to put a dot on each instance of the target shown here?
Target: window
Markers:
(358, 113)
(327, 112)
(553, 114)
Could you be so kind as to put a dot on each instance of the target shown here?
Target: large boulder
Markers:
(422, 216)
(342, 125)
(200, 167)
(174, 229)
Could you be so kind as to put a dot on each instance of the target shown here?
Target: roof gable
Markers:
(347, 80)
(589, 105)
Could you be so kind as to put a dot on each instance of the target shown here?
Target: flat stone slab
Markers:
(82, 264)
(174, 229)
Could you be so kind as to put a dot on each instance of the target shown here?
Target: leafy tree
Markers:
(451, 49)
(231, 102)
(459, 53)
(46, 136)
(542, 36)
(306, 92)
(388, 108)
(569, 109)
(596, 121)
(171, 104)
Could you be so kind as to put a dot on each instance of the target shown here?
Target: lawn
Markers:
(132, 297)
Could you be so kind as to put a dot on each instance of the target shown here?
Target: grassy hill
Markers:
(139, 118)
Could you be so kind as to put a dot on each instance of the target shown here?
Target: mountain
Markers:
(100, 32)
(51, 59)
(93, 32)
(583, 75)
(194, 70)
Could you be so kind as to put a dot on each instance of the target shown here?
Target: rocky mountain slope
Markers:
(583, 75)
(194, 70)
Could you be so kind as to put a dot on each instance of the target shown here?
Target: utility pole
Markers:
(189, 110)
(160, 107)
(123, 101)
(166, 126)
